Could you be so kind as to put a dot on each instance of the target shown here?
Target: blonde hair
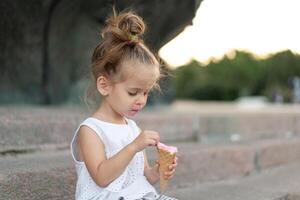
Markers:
(121, 40)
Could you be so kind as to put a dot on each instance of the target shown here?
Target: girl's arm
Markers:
(102, 170)
(151, 173)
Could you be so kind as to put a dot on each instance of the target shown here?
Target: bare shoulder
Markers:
(86, 133)
(90, 147)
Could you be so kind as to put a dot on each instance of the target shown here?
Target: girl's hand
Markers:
(171, 170)
(146, 138)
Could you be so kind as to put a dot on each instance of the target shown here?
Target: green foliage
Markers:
(242, 75)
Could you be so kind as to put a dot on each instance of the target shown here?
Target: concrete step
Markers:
(203, 163)
(232, 121)
(52, 184)
(24, 128)
(280, 183)
(50, 174)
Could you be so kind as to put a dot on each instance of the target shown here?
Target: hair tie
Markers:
(133, 37)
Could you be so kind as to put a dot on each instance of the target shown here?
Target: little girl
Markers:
(109, 148)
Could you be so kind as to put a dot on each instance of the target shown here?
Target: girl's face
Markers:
(129, 96)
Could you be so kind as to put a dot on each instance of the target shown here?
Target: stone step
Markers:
(50, 173)
(232, 121)
(26, 128)
(203, 163)
(280, 183)
(235, 127)
(38, 175)
(23, 128)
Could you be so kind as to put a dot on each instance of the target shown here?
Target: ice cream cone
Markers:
(165, 159)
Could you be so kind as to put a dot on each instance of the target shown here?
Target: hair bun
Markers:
(131, 23)
(124, 27)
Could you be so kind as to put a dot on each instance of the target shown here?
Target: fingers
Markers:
(152, 137)
(175, 160)
(170, 173)
(153, 141)
(155, 136)
(172, 167)
(169, 177)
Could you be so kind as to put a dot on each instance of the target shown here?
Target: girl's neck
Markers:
(107, 114)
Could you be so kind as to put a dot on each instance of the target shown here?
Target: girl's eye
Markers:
(132, 93)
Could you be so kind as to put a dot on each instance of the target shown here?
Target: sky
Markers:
(257, 26)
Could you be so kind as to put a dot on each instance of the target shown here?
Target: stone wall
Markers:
(46, 45)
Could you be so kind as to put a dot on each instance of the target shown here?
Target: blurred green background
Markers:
(237, 76)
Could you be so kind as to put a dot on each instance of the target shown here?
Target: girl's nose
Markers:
(142, 100)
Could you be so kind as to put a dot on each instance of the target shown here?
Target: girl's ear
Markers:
(103, 85)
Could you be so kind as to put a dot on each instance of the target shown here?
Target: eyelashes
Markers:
(135, 93)
(132, 93)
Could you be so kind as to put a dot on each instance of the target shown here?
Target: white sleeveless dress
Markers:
(131, 184)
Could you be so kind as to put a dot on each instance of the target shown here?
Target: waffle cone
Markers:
(165, 159)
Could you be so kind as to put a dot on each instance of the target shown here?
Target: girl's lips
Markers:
(136, 109)
(133, 111)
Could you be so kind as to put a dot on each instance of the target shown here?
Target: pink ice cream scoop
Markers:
(170, 149)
